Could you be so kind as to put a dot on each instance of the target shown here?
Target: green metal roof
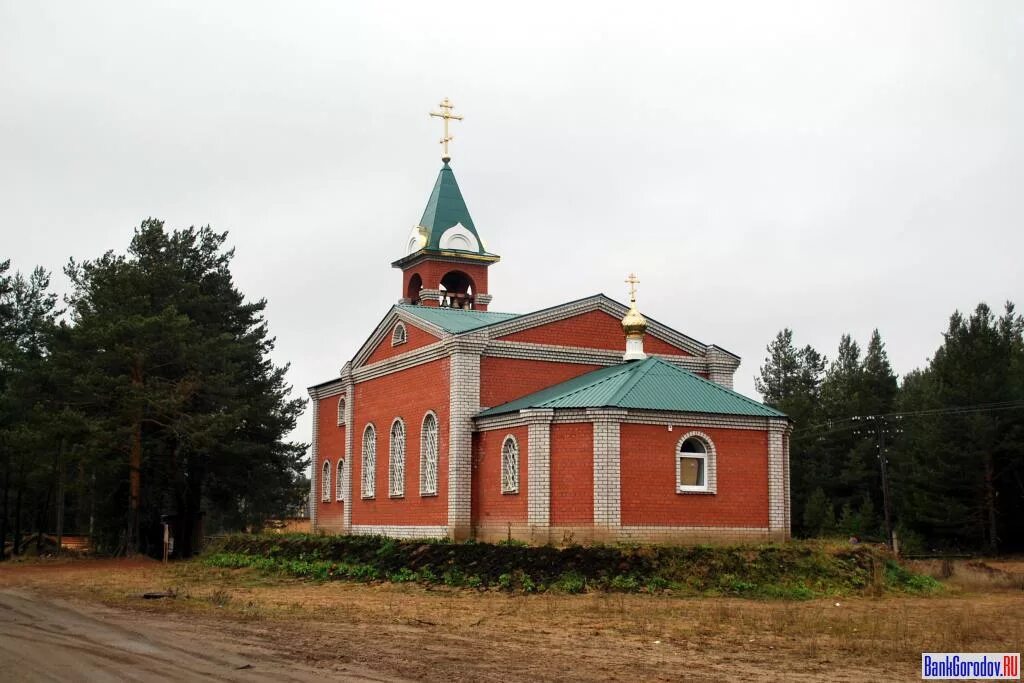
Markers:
(445, 208)
(649, 384)
(456, 320)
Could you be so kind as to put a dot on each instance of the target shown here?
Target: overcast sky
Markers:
(831, 167)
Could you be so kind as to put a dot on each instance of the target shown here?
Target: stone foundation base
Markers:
(575, 535)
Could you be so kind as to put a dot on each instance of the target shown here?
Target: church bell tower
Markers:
(446, 263)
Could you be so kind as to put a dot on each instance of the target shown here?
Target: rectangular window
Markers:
(691, 472)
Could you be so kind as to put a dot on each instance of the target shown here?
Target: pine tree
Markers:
(790, 380)
(958, 475)
(174, 365)
(28, 431)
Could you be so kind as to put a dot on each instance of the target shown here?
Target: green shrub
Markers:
(570, 582)
(797, 570)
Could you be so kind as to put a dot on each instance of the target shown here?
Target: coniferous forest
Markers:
(147, 394)
(951, 432)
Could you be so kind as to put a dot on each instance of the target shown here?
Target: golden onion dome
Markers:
(634, 324)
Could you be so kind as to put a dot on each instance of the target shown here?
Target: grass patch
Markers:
(793, 571)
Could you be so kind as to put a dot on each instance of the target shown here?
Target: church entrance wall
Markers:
(408, 395)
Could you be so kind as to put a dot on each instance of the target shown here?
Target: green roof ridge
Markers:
(638, 372)
(725, 390)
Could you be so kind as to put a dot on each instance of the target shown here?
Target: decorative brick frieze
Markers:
(697, 420)
(464, 404)
(584, 356)
(403, 361)
(486, 424)
(435, 295)
(483, 299)
(538, 488)
(607, 482)
(326, 389)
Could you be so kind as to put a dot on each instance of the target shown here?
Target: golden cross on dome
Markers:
(446, 115)
(632, 280)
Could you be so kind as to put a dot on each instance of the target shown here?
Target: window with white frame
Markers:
(510, 465)
(325, 482)
(695, 464)
(369, 464)
(341, 411)
(398, 335)
(396, 459)
(428, 455)
(340, 493)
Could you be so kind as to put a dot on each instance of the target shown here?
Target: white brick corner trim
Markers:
(607, 458)
(538, 466)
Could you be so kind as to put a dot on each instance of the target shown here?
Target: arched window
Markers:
(338, 475)
(369, 464)
(325, 482)
(398, 335)
(396, 459)
(428, 455)
(341, 411)
(695, 464)
(510, 465)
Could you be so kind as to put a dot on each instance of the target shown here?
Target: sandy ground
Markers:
(87, 620)
(44, 639)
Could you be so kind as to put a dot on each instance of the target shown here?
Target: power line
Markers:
(838, 424)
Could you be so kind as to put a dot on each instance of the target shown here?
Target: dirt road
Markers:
(85, 620)
(53, 640)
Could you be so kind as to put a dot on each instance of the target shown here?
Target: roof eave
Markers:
(454, 254)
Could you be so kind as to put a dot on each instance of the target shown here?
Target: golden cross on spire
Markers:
(446, 115)
(632, 280)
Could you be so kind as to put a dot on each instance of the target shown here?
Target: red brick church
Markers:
(579, 422)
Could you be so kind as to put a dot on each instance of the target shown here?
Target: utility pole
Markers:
(880, 426)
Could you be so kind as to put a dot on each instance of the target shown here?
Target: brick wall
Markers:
(594, 329)
(572, 474)
(491, 508)
(648, 479)
(415, 339)
(331, 446)
(408, 394)
(431, 273)
(505, 379)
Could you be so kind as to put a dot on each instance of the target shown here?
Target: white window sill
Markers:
(684, 491)
(428, 494)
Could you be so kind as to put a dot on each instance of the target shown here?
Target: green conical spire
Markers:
(447, 208)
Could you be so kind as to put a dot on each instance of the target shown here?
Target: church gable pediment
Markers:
(594, 322)
(397, 333)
